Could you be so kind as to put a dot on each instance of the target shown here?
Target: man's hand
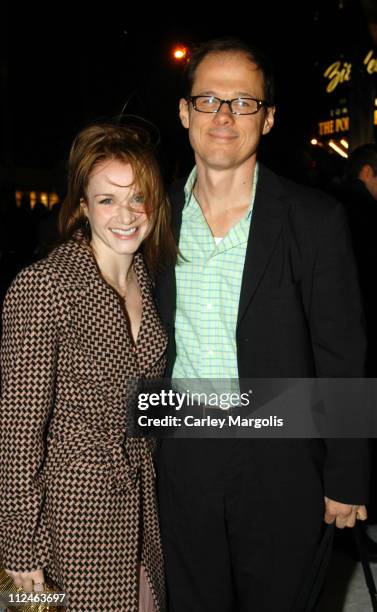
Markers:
(344, 515)
(29, 581)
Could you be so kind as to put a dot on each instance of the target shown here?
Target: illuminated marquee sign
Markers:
(333, 126)
(340, 72)
(338, 125)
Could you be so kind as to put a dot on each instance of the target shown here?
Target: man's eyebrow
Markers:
(246, 94)
(238, 94)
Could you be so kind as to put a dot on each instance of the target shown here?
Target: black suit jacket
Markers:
(300, 311)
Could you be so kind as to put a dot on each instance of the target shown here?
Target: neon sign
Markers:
(340, 72)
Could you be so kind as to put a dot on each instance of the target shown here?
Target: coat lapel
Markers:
(95, 307)
(152, 339)
(266, 224)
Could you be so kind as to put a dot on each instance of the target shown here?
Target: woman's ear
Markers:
(84, 206)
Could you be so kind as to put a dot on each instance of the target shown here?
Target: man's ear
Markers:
(366, 173)
(184, 113)
(269, 119)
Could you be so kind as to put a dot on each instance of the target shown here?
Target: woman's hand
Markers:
(29, 581)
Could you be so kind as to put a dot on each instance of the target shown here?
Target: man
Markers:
(362, 168)
(359, 194)
(266, 287)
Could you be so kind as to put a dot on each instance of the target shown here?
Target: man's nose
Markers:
(224, 113)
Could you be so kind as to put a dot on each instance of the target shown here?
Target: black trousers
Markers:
(241, 521)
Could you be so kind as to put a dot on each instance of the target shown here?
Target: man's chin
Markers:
(222, 162)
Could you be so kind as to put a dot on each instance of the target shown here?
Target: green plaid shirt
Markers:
(208, 292)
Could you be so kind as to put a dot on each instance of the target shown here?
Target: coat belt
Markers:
(129, 458)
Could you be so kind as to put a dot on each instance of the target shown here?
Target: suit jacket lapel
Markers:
(267, 219)
(166, 290)
(266, 224)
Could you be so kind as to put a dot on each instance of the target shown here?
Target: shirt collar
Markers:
(189, 186)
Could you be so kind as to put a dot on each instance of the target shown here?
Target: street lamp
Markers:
(180, 53)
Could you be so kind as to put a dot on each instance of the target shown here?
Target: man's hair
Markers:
(231, 45)
(366, 154)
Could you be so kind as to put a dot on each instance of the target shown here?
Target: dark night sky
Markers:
(65, 71)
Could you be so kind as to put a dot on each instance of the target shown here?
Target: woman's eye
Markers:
(138, 200)
(106, 201)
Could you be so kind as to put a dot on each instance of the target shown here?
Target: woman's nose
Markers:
(126, 214)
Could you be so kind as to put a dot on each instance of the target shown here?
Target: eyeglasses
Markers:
(237, 106)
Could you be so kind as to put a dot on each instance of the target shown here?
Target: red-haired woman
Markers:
(78, 494)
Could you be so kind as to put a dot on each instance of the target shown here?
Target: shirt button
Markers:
(210, 352)
(209, 306)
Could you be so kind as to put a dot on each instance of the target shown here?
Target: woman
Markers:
(80, 327)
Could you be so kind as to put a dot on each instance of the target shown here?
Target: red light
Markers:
(180, 53)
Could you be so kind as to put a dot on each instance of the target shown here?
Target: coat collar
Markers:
(76, 267)
(83, 270)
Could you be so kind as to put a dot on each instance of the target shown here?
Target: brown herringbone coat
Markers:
(77, 496)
